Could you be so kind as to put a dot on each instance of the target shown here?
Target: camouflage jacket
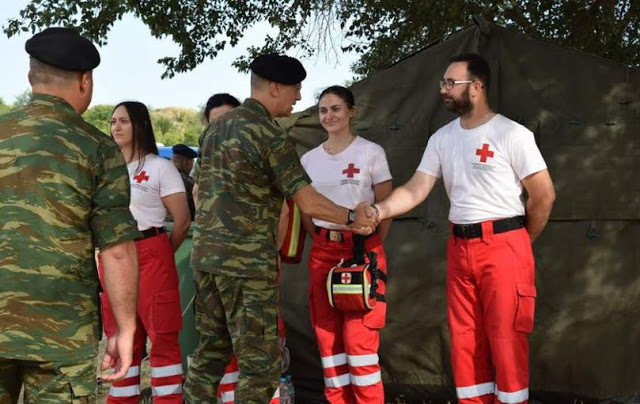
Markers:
(247, 166)
(64, 190)
(188, 186)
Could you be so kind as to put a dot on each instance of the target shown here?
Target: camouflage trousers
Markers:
(235, 315)
(48, 382)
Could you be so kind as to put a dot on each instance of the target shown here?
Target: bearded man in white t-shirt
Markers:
(484, 159)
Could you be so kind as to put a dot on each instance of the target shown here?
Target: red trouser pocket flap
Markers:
(526, 289)
(526, 307)
(167, 315)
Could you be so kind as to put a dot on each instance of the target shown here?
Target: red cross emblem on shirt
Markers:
(351, 170)
(484, 153)
(141, 177)
(346, 277)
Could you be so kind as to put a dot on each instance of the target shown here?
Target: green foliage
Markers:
(4, 108)
(171, 125)
(22, 99)
(99, 116)
(176, 125)
(381, 31)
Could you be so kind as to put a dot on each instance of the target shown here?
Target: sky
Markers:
(129, 68)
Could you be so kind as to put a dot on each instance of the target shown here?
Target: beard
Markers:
(460, 106)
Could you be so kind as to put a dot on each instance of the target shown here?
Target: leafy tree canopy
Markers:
(381, 31)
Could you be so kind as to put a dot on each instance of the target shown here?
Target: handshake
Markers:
(367, 218)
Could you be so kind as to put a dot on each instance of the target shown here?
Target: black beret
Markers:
(279, 68)
(64, 48)
(184, 150)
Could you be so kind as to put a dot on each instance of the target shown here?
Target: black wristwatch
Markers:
(351, 217)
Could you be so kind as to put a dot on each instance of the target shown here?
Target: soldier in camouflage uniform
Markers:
(64, 190)
(182, 159)
(247, 167)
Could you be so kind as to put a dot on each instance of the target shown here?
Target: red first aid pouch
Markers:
(353, 287)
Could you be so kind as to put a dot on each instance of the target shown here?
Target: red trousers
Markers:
(491, 301)
(159, 318)
(348, 341)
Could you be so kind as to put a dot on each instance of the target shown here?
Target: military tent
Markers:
(585, 113)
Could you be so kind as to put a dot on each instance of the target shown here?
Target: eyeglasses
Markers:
(449, 84)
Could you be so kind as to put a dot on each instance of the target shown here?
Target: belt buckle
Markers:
(467, 231)
(335, 235)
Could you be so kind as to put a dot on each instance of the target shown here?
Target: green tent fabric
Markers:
(585, 113)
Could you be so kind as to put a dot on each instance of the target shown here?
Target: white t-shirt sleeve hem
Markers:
(171, 180)
(429, 172)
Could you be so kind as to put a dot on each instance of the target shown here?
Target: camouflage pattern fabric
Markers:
(188, 186)
(247, 166)
(49, 382)
(64, 190)
(240, 315)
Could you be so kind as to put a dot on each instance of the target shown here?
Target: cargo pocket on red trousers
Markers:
(375, 318)
(526, 307)
(167, 316)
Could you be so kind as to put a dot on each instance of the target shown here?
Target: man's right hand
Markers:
(366, 219)
(118, 355)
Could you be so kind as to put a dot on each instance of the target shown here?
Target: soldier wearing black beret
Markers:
(184, 151)
(71, 197)
(63, 48)
(279, 68)
(247, 167)
(61, 58)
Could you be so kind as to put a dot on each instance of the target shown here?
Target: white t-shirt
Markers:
(347, 178)
(482, 167)
(156, 179)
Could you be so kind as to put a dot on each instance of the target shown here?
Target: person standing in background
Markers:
(182, 159)
(217, 105)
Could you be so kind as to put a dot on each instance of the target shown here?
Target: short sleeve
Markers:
(110, 220)
(524, 155)
(431, 163)
(285, 164)
(379, 166)
(170, 180)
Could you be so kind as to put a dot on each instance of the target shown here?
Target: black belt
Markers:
(151, 232)
(474, 230)
(337, 235)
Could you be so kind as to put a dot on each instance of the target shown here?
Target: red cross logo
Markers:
(351, 170)
(484, 153)
(141, 177)
(346, 277)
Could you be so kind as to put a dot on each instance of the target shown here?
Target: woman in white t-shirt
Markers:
(347, 169)
(156, 189)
